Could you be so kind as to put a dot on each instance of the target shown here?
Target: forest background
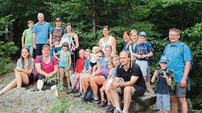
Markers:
(155, 17)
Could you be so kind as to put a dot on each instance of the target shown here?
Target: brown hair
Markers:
(29, 59)
(126, 32)
(45, 46)
(115, 56)
(108, 46)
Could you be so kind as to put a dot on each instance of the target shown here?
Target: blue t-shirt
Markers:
(130, 45)
(64, 59)
(142, 49)
(177, 54)
(162, 85)
(87, 64)
(41, 31)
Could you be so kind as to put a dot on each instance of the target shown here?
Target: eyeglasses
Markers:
(172, 35)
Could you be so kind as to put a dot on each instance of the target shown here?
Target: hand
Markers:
(73, 48)
(143, 56)
(34, 46)
(183, 82)
(139, 56)
(156, 72)
(18, 69)
(113, 85)
(105, 83)
(164, 75)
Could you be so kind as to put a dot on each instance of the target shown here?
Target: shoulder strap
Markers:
(41, 58)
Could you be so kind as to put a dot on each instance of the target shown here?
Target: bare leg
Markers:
(128, 92)
(8, 87)
(68, 81)
(149, 89)
(109, 97)
(75, 81)
(61, 76)
(86, 82)
(25, 79)
(18, 79)
(81, 81)
(174, 105)
(94, 81)
(116, 98)
(184, 107)
(102, 92)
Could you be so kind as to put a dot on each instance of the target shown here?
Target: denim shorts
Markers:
(143, 66)
(163, 102)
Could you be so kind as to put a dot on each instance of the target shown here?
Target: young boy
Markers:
(78, 70)
(27, 40)
(143, 51)
(164, 80)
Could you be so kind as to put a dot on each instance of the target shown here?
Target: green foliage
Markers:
(6, 50)
(5, 22)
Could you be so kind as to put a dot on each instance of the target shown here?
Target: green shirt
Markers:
(28, 37)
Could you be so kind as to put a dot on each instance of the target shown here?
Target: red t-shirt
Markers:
(48, 68)
(80, 65)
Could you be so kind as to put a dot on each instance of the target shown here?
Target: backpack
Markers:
(41, 58)
(89, 94)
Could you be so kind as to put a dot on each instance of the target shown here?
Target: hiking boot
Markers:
(103, 103)
(78, 94)
(70, 90)
(61, 88)
(155, 109)
(117, 111)
(110, 108)
(95, 101)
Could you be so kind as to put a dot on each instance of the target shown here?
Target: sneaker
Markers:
(95, 101)
(111, 108)
(76, 90)
(103, 103)
(108, 107)
(117, 111)
(78, 94)
(61, 88)
(155, 108)
(70, 90)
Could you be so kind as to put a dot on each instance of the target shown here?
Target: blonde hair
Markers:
(88, 50)
(45, 46)
(29, 59)
(108, 46)
(115, 56)
(133, 31)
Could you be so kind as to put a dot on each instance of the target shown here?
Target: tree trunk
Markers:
(6, 35)
(94, 13)
(12, 32)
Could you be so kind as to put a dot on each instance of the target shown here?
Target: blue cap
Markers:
(142, 33)
(164, 59)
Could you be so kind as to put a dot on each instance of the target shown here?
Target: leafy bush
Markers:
(6, 50)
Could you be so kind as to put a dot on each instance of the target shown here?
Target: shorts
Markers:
(163, 102)
(148, 75)
(143, 66)
(138, 91)
(42, 77)
(99, 74)
(93, 64)
(179, 91)
(64, 71)
(85, 74)
(31, 78)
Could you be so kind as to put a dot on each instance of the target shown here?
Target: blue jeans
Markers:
(30, 49)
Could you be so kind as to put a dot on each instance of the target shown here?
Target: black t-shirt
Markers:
(162, 86)
(134, 70)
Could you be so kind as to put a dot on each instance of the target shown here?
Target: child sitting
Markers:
(84, 72)
(164, 79)
(93, 60)
(78, 70)
(64, 63)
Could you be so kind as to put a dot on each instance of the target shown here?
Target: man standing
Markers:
(56, 34)
(179, 55)
(40, 34)
(130, 82)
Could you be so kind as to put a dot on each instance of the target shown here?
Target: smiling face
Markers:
(116, 61)
(45, 51)
(134, 37)
(174, 36)
(40, 18)
(25, 53)
(110, 65)
(108, 51)
(142, 39)
(163, 65)
(126, 37)
(58, 23)
(69, 29)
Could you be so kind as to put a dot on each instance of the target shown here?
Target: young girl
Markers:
(23, 71)
(64, 64)
(93, 58)
(102, 89)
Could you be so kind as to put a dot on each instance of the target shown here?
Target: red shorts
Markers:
(99, 74)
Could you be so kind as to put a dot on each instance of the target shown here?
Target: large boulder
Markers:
(22, 100)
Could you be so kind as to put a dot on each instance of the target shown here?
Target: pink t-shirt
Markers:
(48, 68)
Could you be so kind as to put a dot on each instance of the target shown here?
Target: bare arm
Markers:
(39, 70)
(23, 37)
(54, 71)
(186, 72)
(70, 61)
(100, 45)
(28, 72)
(76, 38)
(50, 40)
(154, 76)
(114, 45)
(34, 44)
(129, 83)
(56, 54)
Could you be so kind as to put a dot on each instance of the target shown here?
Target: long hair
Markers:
(29, 59)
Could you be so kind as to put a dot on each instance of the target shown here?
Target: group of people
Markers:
(124, 76)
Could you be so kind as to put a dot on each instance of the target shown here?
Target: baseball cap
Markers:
(164, 59)
(58, 19)
(142, 33)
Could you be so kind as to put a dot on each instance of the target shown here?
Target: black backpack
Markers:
(89, 94)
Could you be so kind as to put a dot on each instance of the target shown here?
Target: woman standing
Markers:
(23, 71)
(107, 40)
